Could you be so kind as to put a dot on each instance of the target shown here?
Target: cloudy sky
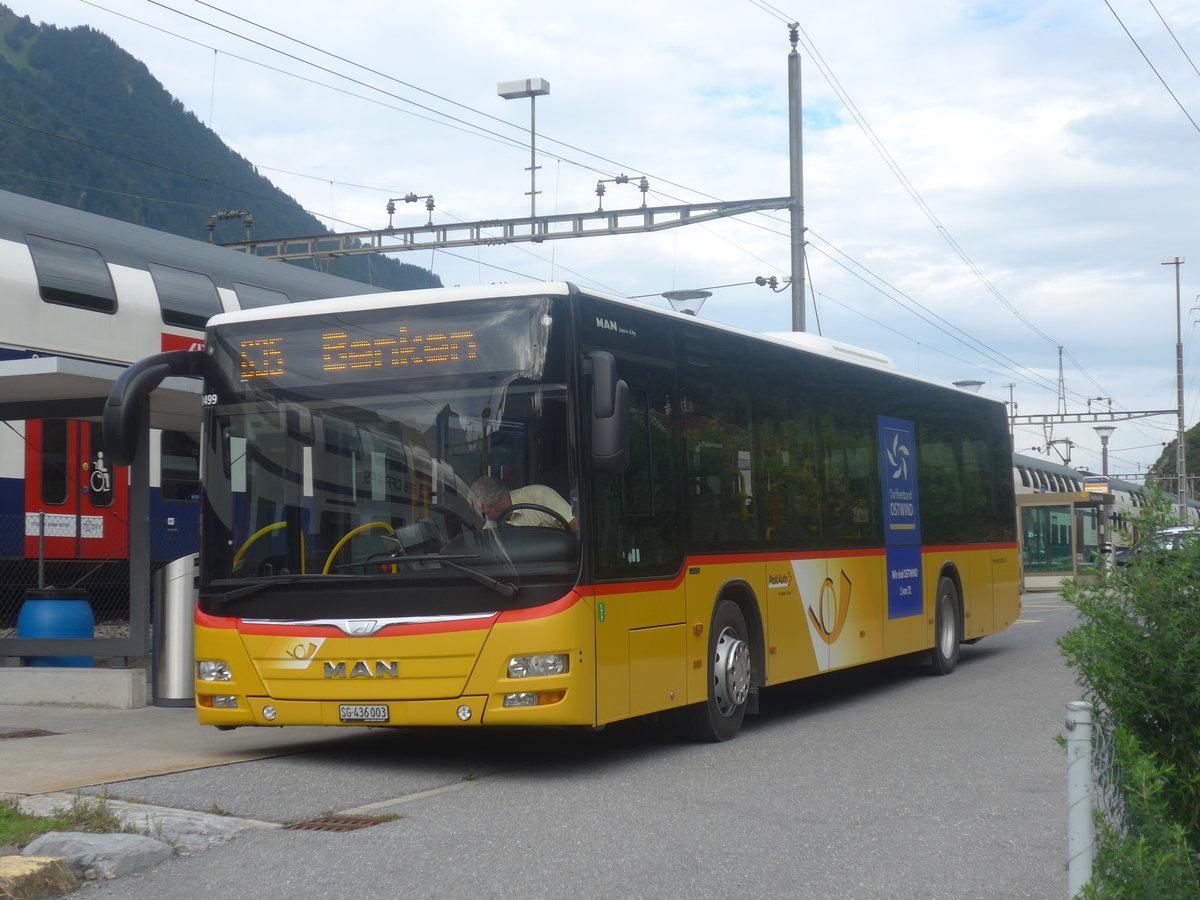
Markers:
(984, 182)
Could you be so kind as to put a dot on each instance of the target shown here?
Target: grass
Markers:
(18, 828)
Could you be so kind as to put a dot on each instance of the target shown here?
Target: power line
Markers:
(1157, 75)
(478, 130)
(1173, 37)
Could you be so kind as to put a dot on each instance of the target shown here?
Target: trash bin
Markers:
(173, 663)
(57, 613)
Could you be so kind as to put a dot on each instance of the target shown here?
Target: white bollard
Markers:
(1079, 796)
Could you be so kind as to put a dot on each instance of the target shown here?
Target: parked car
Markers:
(1163, 543)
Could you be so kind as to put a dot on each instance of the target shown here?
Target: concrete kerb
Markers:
(183, 829)
(53, 863)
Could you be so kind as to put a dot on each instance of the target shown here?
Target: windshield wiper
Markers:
(261, 584)
(501, 587)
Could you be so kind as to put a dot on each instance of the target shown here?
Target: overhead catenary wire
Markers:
(763, 6)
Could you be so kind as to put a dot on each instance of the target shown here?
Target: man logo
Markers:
(360, 669)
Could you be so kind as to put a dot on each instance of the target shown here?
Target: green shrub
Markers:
(1136, 651)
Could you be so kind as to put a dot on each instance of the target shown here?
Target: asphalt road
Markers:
(884, 782)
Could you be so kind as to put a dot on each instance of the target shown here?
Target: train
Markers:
(77, 291)
(1032, 475)
(1065, 529)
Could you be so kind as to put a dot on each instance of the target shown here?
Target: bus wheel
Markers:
(720, 716)
(946, 629)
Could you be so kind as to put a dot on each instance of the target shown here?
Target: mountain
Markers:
(86, 125)
(1165, 472)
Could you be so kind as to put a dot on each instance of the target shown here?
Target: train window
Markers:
(180, 466)
(188, 299)
(72, 275)
(1024, 476)
(54, 462)
(251, 296)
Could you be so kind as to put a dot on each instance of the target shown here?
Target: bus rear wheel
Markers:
(720, 716)
(947, 628)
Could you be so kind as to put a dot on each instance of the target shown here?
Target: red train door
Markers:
(70, 488)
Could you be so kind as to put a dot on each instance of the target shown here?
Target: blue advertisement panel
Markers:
(901, 515)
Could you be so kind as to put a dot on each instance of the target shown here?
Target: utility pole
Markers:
(796, 159)
(1181, 489)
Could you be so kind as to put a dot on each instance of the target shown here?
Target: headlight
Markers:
(213, 670)
(538, 664)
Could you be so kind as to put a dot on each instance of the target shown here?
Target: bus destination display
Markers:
(336, 352)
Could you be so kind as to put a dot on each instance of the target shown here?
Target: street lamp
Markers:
(687, 301)
(531, 88)
(1180, 449)
(1105, 432)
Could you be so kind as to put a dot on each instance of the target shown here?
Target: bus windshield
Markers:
(341, 450)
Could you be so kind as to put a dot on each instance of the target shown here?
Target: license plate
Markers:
(356, 712)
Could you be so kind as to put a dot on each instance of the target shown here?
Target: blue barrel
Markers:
(57, 613)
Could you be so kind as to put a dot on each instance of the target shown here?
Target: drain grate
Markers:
(29, 732)
(338, 823)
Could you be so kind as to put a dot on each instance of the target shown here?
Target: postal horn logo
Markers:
(833, 607)
(302, 650)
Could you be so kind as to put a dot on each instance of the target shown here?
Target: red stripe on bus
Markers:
(962, 548)
(561, 605)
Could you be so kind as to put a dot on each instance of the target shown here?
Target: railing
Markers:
(122, 610)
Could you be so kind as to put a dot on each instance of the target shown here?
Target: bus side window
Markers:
(788, 486)
(715, 404)
(636, 514)
(940, 477)
(850, 463)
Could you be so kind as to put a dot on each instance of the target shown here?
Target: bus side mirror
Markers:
(610, 413)
(122, 416)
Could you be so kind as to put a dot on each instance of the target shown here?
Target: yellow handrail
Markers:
(359, 530)
(275, 526)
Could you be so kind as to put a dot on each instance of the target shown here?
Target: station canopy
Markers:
(56, 387)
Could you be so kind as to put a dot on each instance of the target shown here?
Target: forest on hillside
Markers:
(86, 125)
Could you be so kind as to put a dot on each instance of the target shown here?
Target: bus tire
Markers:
(719, 717)
(947, 630)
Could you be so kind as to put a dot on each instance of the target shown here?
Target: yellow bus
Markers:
(535, 505)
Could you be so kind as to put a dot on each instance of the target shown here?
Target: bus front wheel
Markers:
(947, 628)
(720, 716)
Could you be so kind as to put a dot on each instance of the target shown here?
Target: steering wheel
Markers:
(566, 526)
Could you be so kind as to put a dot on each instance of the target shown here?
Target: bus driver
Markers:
(492, 500)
